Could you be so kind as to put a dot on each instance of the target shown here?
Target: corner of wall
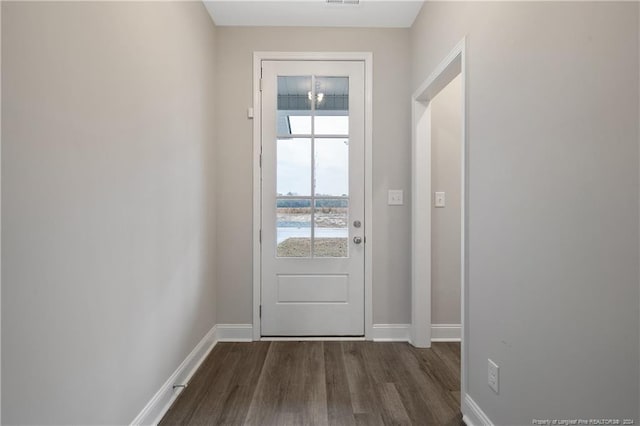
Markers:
(214, 165)
(0, 212)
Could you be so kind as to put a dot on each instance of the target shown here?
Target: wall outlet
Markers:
(494, 376)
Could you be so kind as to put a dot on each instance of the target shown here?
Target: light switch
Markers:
(439, 199)
(250, 113)
(396, 197)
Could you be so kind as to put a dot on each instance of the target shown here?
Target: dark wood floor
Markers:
(323, 383)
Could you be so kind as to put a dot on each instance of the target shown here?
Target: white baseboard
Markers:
(445, 332)
(313, 339)
(157, 407)
(472, 414)
(381, 333)
(234, 333)
(391, 332)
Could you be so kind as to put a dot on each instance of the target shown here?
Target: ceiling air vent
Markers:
(343, 1)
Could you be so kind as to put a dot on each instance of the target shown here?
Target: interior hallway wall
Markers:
(107, 204)
(553, 201)
(391, 240)
(446, 163)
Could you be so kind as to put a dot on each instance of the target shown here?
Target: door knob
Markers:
(357, 240)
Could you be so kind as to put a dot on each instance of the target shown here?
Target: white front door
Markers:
(312, 198)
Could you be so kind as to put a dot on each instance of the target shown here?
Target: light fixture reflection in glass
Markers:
(319, 96)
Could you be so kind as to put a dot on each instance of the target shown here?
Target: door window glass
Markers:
(312, 168)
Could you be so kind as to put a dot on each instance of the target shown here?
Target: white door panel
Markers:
(313, 288)
(312, 198)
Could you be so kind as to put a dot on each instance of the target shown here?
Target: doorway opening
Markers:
(439, 194)
(446, 211)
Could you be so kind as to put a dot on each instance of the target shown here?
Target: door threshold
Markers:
(312, 339)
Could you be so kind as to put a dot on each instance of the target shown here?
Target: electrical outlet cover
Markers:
(494, 376)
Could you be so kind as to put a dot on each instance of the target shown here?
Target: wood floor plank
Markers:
(368, 419)
(456, 421)
(291, 387)
(246, 375)
(436, 368)
(440, 403)
(379, 360)
(339, 410)
(309, 392)
(454, 349)
(364, 399)
(450, 358)
(267, 401)
(393, 411)
(195, 398)
(323, 383)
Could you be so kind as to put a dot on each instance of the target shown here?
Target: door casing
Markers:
(367, 58)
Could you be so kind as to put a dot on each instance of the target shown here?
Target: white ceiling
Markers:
(314, 13)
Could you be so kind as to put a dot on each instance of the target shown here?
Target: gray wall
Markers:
(391, 159)
(446, 151)
(107, 204)
(553, 202)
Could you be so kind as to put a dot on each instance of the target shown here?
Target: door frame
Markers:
(367, 58)
(452, 65)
